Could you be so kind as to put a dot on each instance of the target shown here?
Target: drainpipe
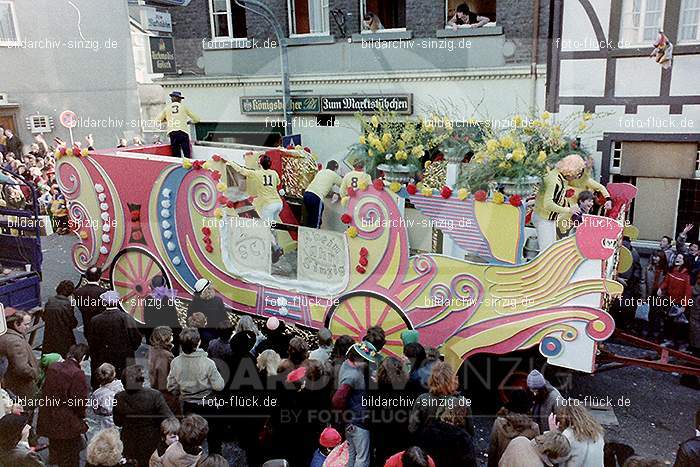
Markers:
(535, 52)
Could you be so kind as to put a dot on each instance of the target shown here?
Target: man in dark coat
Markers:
(139, 411)
(23, 370)
(13, 144)
(60, 321)
(63, 421)
(88, 300)
(159, 310)
(114, 336)
(205, 301)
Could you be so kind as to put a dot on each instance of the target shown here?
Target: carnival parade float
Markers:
(140, 212)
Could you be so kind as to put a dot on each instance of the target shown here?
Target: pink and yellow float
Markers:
(140, 214)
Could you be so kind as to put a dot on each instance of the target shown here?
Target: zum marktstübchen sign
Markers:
(399, 103)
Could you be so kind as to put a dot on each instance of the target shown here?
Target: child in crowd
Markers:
(103, 397)
(330, 438)
(187, 450)
(169, 429)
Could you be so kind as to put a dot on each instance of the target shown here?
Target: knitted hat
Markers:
(201, 285)
(111, 298)
(366, 350)
(410, 336)
(535, 380)
(330, 438)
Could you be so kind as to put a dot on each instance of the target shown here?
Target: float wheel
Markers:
(131, 274)
(356, 312)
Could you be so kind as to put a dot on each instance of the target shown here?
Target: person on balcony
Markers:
(319, 188)
(465, 18)
(178, 116)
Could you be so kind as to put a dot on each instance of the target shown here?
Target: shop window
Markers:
(308, 17)
(8, 24)
(689, 24)
(227, 19)
(386, 15)
(641, 21)
(482, 12)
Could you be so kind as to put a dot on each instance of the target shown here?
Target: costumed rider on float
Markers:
(551, 201)
(178, 116)
(267, 202)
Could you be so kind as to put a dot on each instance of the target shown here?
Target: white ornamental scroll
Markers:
(246, 245)
(322, 257)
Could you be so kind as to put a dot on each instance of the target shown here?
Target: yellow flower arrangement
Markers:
(546, 115)
(518, 154)
(401, 155)
(395, 187)
(375, 121)
(506, 141)
(542, 156)
(352, 231)
(517, 120)
(491, 145)
(462, 193)
(498, 197)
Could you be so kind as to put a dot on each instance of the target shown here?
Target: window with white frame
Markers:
(39, 123)
(383, 15)
(641, 21)
(8, 24)
(689, 24)
(616, 159)
(309, 17)
(227, 19)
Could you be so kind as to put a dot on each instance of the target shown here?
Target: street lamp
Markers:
(259, 8)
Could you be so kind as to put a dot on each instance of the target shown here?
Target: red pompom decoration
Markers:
(76, 151)
(222, 199)
(378, 184)
(209, 248)
(569, 193)
(346, 218)
(351, 191)
(216, 175)
(197, 165)
(364, 252)
(307, 149)
(135, 216)
(360, 269)
(446, 192)
(137, 236)
(216, 158)
(515, 200)
(62, 150)
(480, 196)
(206, 231)
(363, 261)
(230, 204)
(412, 189)
(207, 240)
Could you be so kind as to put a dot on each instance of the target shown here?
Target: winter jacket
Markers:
(583, 453)
(175, 456)
(20, 456)
(103, 397)
(425, 410)
(652, 281)
(541, 410)
(194, 376)
(88, 301)
(158, 367)
(114, 339)
(23, 370)
(505, 429)
(139, 412)
(448, 445)
(677, 286)
(65, 382)
(520, 453)
(59, 316)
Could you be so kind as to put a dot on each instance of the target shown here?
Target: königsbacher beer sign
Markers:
(368, 104)
(162, 55)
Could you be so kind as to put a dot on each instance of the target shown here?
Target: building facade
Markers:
(649, 133)
(229, 65)
(45, 49)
